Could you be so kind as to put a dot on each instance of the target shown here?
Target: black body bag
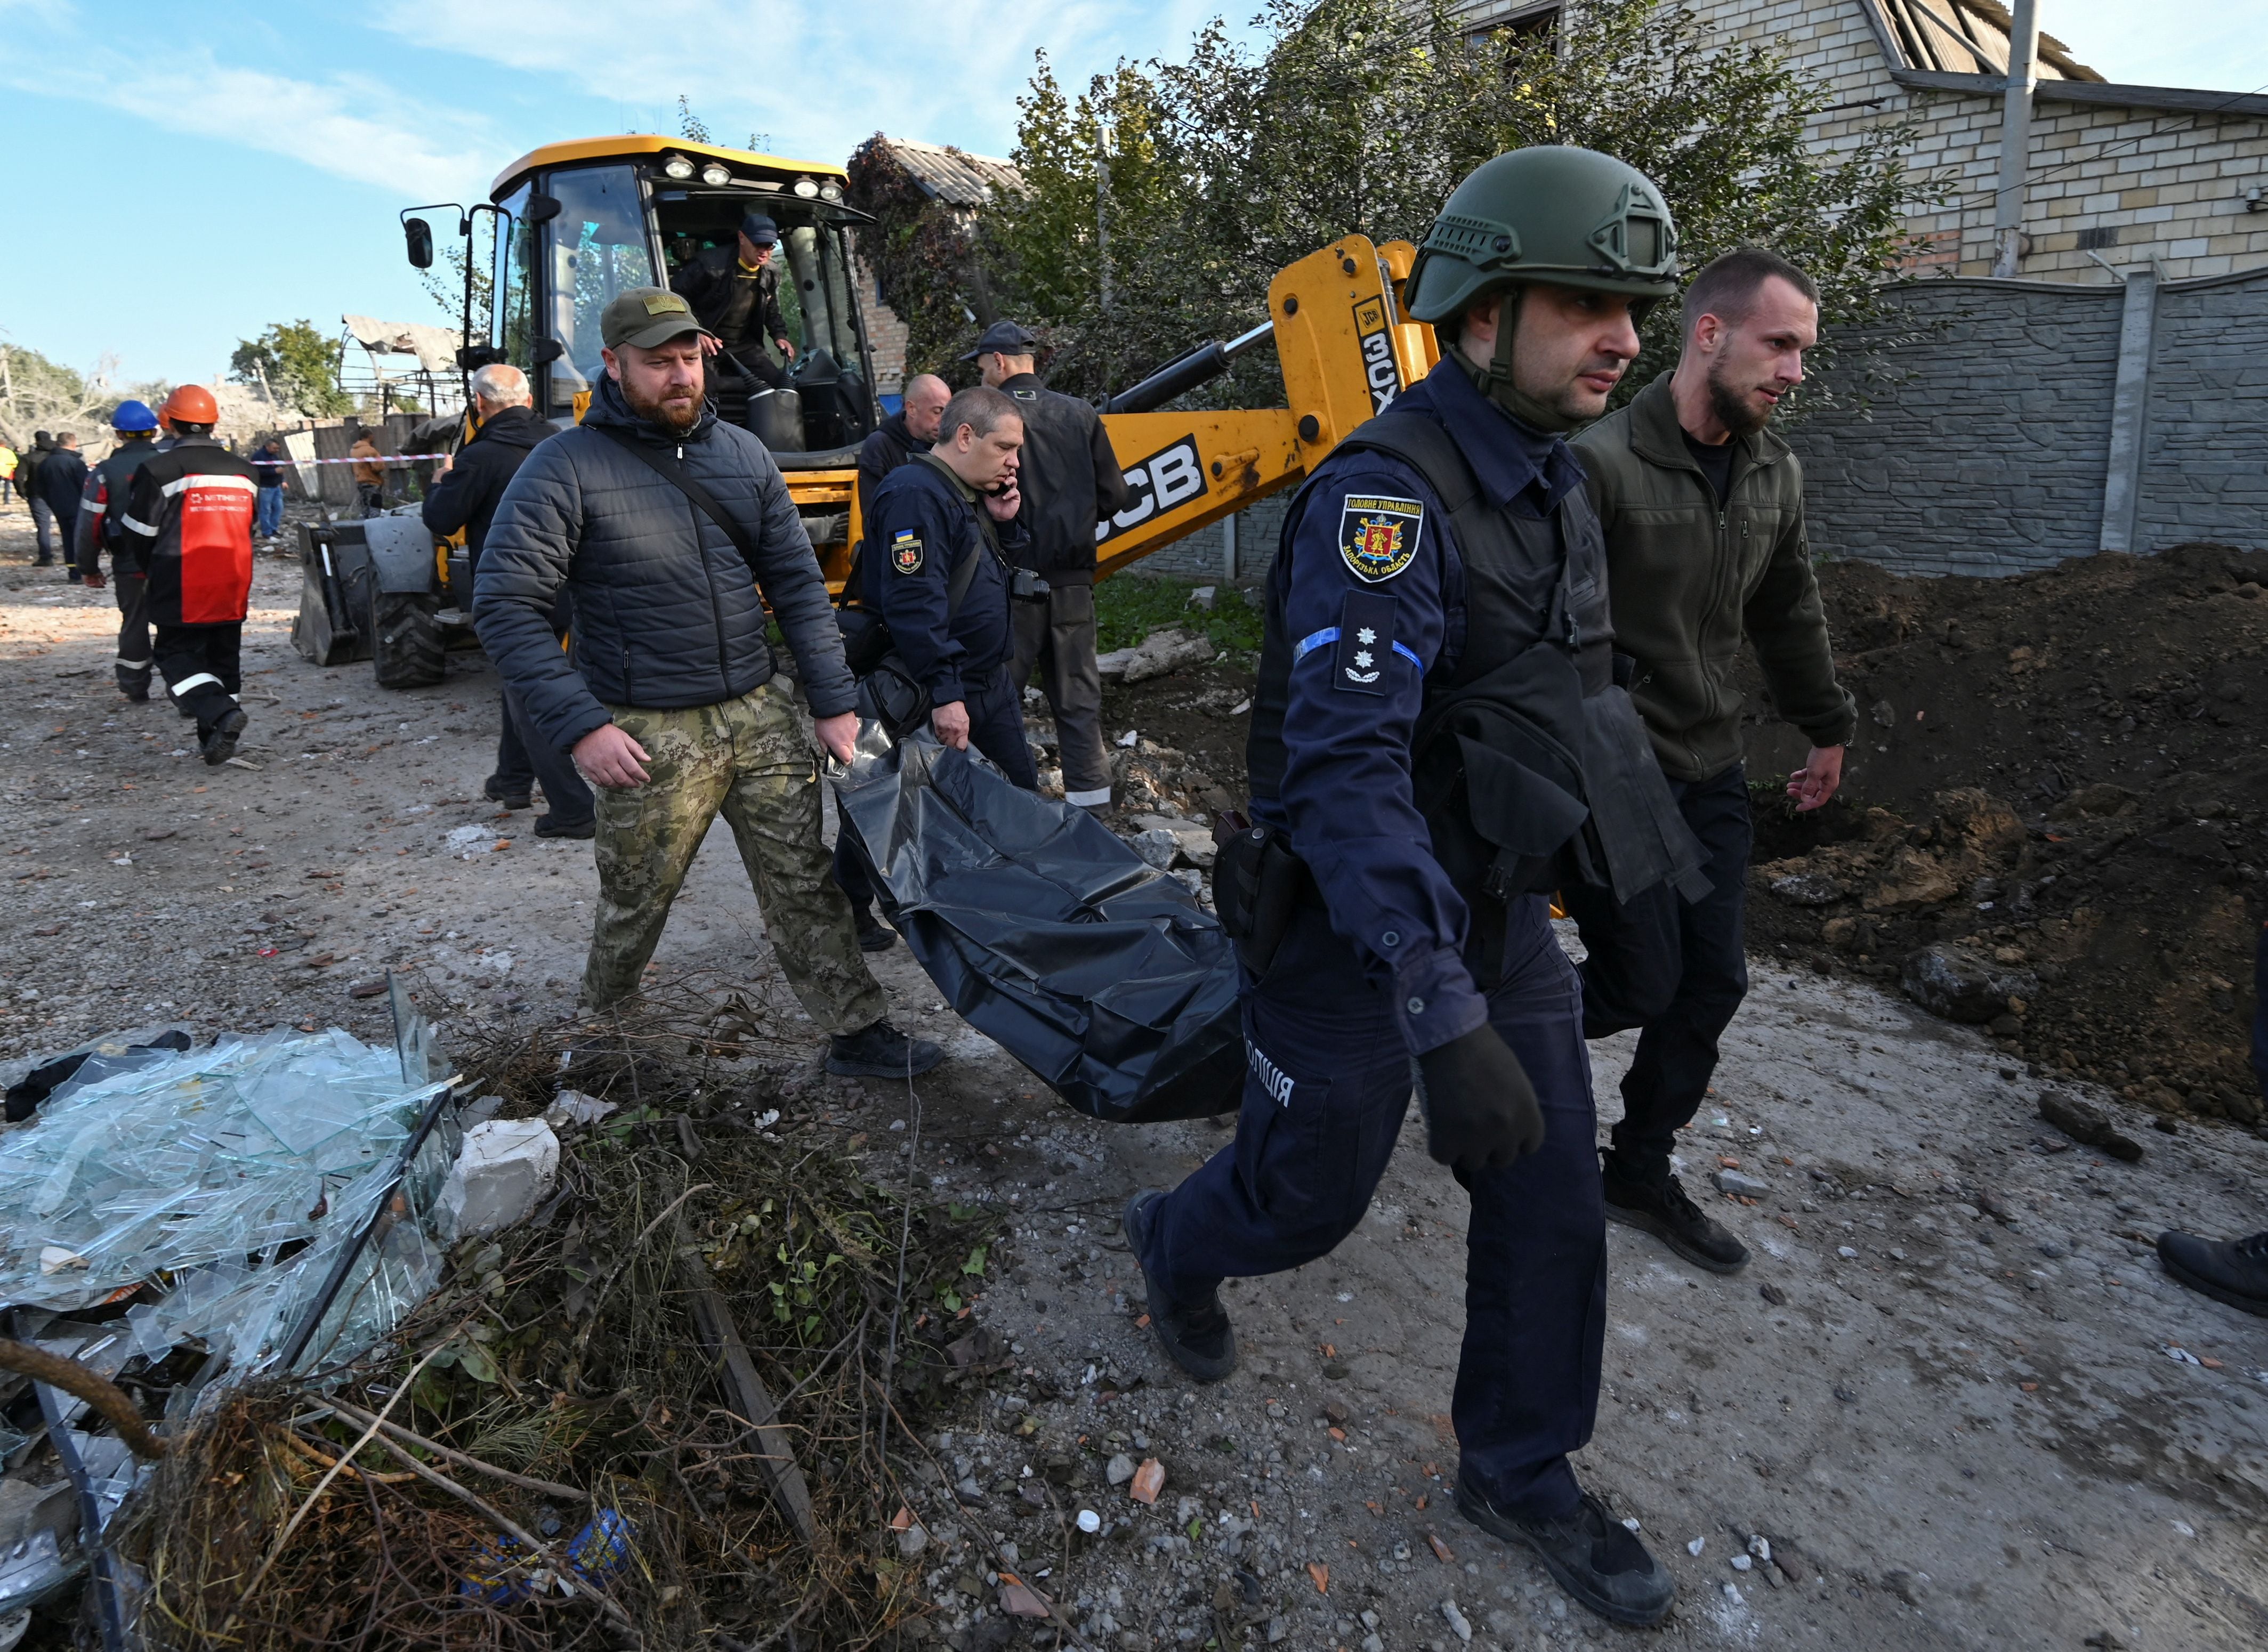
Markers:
(1048, 934)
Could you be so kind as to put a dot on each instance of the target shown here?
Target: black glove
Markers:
(1480, 1110)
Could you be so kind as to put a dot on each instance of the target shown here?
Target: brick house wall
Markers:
(2131, 173)
(886, 334)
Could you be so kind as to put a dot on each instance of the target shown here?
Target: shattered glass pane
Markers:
(234, 1176)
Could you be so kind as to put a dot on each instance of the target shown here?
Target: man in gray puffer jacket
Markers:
(666, 695)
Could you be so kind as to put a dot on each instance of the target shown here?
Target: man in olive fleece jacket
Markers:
(1703, 509)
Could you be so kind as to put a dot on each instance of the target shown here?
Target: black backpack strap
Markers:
(673, 472)
(1424, 446)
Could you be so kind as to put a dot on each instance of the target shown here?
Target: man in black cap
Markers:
(1071, 481)
(735, 292)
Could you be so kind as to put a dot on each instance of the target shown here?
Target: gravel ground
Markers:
(1953, 1395)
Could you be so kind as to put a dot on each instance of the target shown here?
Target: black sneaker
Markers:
(139, 695)
(219, 746)
(881, 1051)
(2233, 1271)
(551, 826)
(1198, 1339)
(874, 935)
(1589, 1553)
(497, 791)
(1661, 1208)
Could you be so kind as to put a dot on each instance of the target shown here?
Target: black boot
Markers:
(552, 826)
(506, 793)
(1589, 1553)
(881, 1051)
(219, 744)
(1658, 1205)
(1197, 1338)
(2233, 1271)
(874, 935)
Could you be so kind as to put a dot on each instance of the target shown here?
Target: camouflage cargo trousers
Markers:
(750, 758)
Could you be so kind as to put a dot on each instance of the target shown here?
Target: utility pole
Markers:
(1102, 206)
(2016, 140)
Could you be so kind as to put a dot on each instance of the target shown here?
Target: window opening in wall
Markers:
(1533, 18)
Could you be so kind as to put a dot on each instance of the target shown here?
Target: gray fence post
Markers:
(2129, 401)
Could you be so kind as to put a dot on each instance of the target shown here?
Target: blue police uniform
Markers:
(926, 521)
(1373, 597)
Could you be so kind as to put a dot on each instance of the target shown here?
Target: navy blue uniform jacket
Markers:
(924, 524)
(1368, 526)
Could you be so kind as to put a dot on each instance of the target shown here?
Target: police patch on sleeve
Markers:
(906, 552)
(1378, 535)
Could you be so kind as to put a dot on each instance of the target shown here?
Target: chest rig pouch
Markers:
(1529, 761)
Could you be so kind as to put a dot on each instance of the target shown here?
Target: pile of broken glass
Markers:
(221, 1186)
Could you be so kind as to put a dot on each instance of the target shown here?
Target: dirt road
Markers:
(1953, 1392)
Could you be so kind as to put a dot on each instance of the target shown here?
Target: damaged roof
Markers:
(1970, 37)
(951, 175)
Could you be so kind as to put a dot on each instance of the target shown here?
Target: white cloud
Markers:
(819, 77)
(349, 126)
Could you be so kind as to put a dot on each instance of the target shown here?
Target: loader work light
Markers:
(678, 166)
(716, 175)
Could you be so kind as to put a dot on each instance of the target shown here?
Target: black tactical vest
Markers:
(1530, 764)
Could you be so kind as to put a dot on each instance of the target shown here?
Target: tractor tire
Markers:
(406, 645)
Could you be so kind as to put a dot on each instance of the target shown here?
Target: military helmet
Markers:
(1571, 216)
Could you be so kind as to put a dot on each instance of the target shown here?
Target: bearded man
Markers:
(1702, 510)
(670, 533)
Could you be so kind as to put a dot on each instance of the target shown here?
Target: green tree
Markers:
(1360, 115)
(294, 363)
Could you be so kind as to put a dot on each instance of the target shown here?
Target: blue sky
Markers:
(180, 175)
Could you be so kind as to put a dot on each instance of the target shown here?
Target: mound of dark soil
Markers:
(2060, 783)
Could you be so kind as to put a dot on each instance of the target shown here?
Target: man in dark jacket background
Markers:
(1706, 551)
(28, 484)
(735, 292)
(62, 479)
(467, 489)
(267, 506)
(667, 699)
(1071, 481)
(908, 431)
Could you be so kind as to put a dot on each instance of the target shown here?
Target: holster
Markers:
(1257, 886)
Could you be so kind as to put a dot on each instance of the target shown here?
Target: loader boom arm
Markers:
(1345, 351)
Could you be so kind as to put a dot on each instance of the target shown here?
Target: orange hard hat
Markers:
(191, 403)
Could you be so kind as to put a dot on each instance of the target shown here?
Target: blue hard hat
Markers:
(132, 415)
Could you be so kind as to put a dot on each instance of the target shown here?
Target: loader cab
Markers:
(583, 220)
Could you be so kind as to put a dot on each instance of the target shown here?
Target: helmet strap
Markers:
(1494, 380)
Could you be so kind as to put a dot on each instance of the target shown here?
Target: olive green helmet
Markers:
(1571, 216)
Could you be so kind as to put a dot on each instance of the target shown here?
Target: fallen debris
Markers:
(2085, 1124)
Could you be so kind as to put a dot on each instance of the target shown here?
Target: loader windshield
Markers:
(599, 247)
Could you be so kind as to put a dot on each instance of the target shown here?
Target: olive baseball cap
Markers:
(647, 317)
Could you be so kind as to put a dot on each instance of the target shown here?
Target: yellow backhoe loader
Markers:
(577, 223)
